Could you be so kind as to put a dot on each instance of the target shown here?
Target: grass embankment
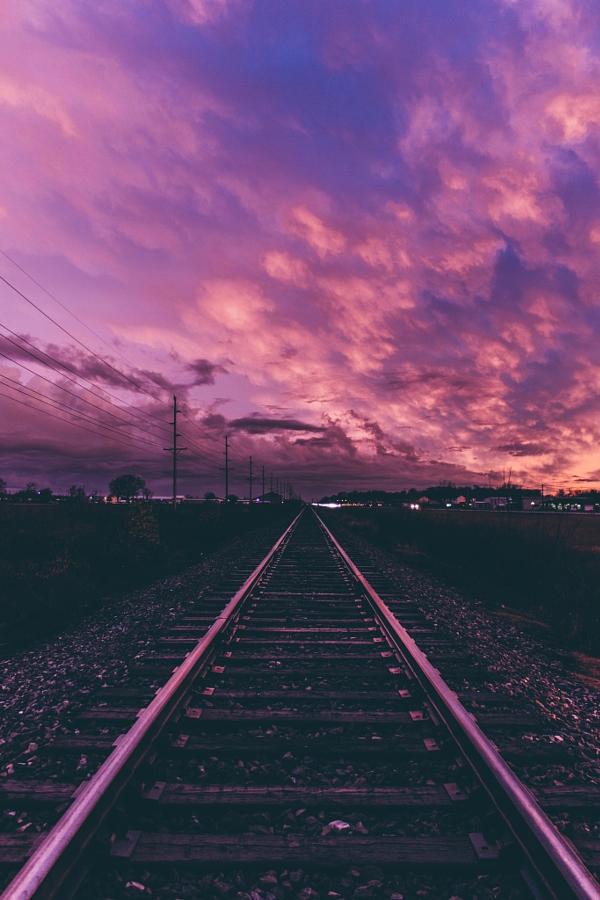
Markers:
(57, 563)
(545, 567)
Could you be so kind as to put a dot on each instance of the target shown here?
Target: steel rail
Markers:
(554, 860)
(50, 865)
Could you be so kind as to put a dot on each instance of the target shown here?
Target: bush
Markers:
(58, 562)
(546, 565)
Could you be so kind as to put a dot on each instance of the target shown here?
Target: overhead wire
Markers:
(97, 356)
(203, 431)
(203, 451)
(67, 421)
(67, 391)
(50, 401)
(60, 371)
(63, 305)
(59, 368)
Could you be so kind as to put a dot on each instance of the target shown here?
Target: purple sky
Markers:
(361, 237)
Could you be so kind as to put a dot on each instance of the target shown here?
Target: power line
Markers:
(68, 421)
(67, 391)
(97, 356)
(59, 369)
(89, 350)
(27, 391)
(60, 303)
(77, 341)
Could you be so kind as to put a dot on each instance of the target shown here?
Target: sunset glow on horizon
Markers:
(360, 237)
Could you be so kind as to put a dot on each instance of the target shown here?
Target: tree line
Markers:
(124, 487)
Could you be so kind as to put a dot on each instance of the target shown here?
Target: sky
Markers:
(361, 238)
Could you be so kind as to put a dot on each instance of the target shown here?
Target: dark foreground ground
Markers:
(45, 689)
(58, 563)
(541, 568)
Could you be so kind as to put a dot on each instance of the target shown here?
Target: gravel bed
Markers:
(356, 882)
(528, 670)
(42, 689)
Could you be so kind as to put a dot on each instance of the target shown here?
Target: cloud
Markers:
(385, 220)
(205, 371)
(259, 425)
(519, 448)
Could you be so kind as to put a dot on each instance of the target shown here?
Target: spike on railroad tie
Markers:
(218, 670)
(155, 792)
(192, 712)
(431, 744)
(482, 848)
(123, 848)
(208, 692)
(417, 715)
(455, 793)
(180, 742)
(406, 695)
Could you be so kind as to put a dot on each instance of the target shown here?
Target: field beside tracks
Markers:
(545, 566)
(58, 562)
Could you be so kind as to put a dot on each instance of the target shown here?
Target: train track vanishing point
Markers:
(302, 728)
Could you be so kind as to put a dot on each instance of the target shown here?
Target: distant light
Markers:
(448, 505)
(533, 502)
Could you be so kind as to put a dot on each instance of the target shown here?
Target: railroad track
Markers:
(313, 736)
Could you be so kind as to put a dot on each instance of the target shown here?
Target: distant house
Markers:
(270, 497)
(489, 503)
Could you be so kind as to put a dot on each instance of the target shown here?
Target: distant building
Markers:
(270, 497)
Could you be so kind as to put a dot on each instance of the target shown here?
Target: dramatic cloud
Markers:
(360, 239)
(204, 371)
(258, 425)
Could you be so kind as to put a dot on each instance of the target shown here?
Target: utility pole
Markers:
(175, 449)
(226, 470)
(271, 485)
(263, 483)
(250, 480)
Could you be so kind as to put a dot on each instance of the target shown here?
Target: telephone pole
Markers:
(226, 470)
(175, 449)
(263, 483)
(250, 480)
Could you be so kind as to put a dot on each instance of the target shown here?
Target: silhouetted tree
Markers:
(77, 494)
(210, 496)
(147, 494)
(126, 487)
(2, 487)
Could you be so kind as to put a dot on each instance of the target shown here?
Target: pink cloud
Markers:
(382, 222)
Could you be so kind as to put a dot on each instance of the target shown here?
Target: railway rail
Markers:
(284, 742)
